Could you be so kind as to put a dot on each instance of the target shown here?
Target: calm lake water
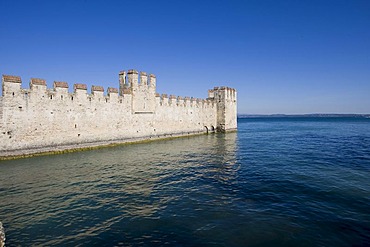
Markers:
(276, 182)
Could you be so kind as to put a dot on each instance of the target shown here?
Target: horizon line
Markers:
(304, 114)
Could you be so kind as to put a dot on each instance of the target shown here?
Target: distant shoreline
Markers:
(316, 115)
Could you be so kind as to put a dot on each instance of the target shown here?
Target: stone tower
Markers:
(225, 99)
(142, 91)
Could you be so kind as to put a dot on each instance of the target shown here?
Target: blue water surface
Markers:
(276, 182)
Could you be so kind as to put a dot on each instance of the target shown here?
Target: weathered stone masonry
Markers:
(39, 119)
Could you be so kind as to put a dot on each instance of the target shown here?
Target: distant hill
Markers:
(326, 115)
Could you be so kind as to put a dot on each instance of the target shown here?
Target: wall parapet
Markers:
(230, 93)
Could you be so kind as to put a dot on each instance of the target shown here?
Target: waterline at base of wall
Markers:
(61, 149)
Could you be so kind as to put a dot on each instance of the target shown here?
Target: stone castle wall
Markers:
(41, 119)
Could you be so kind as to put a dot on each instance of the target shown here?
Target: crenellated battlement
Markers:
(224, 92)
(138, 85)
(131, 79)
(11, 84)
(40, 116)
(179, 101)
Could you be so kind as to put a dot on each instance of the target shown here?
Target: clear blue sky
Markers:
(282, 56)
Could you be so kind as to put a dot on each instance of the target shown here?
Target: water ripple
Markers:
(275, 182)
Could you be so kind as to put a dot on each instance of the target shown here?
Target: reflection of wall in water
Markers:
(225, 156)
(134, 173)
